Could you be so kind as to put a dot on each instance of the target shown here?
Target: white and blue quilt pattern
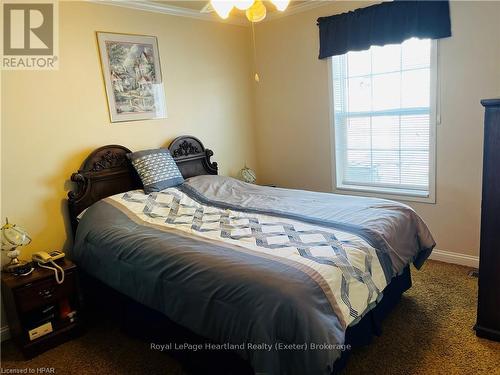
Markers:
(347, 262)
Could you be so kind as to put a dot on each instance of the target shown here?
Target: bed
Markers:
(283, 278)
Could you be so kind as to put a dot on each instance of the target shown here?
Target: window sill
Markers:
(407, 196)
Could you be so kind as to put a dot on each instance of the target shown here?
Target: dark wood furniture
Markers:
(32, 300)
(107, 171)
(488, 307)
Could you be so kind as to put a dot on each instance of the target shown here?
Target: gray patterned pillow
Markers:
(156, 168)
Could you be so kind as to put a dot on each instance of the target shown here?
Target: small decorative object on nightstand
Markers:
(248, 175)
(13, 237)
(42, 313)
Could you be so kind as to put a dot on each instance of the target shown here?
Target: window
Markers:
(384, 119)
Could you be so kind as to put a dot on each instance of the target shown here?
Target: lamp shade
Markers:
(14, 236)
(257, 12)
(243, 4)
(222, 7)
(281, 5)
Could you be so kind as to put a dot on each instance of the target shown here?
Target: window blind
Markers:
(382, 116)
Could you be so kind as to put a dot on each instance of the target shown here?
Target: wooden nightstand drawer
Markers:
(43, 292)
(36, 299)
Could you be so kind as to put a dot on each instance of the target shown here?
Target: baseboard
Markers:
(4, 333)
(487, 333)
(455, 258)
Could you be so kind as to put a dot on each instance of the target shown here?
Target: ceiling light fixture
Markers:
(222, 7)
(281, 5)
(257, 12)
(254, 10)
(243, 4)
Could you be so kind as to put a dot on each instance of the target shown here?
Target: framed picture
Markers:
(132, 76)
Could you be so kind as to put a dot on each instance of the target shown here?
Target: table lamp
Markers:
(13, 237)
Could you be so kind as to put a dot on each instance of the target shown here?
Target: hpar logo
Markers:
(30, 35)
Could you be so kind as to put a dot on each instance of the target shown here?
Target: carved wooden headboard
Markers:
(107, 171)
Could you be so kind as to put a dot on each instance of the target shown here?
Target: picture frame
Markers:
(132, 76)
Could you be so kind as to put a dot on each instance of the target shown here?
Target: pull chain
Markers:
(256, 76)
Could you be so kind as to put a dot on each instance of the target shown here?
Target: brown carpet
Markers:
(429, 332)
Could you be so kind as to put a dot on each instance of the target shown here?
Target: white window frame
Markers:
(386, 193)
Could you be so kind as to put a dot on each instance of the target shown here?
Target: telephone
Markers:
(43, 258)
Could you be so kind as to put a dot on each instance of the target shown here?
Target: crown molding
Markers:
(148, 6)
(205, 15)
(303, 7)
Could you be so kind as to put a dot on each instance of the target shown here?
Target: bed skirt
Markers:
(151, 326)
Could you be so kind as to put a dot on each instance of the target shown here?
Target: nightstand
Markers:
(42, 313)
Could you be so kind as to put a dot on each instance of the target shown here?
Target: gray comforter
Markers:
(392, 227)
(231, 293)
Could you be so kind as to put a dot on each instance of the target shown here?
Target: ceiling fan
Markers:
(255, 10)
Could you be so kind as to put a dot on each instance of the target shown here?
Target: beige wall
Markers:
(52, 120)
(293, 126)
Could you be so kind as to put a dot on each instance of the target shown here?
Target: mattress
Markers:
(277, 275)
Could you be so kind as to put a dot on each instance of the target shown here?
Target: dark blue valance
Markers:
(380, 24)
